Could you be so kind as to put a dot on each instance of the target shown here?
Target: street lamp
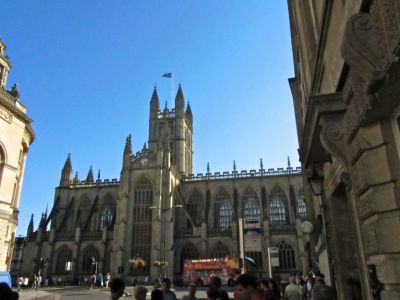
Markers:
(162, 211)
(315, 182)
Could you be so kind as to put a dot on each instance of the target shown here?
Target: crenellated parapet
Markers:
(242, 174)
(98, 183)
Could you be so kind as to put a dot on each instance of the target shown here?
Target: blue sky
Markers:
(86, 71)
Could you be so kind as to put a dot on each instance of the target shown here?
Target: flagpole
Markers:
(172, 89)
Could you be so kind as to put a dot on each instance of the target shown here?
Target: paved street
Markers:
(76, 292)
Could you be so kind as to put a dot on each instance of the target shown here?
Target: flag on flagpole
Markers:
(167, 75)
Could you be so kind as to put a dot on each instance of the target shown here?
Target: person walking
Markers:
(321, 291)
(191, 295)
(216, 282)
(166, 289)
(20, 282)
(292, 291)
(140, 293)
(107, 280)
(117, 287)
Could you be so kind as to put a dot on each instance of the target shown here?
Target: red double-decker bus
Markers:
(200, 271)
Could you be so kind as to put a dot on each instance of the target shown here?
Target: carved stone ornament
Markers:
(361, 51)
(332, 139)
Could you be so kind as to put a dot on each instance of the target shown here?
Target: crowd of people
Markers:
(247, 287)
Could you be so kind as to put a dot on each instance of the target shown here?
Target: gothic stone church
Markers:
(160, 212)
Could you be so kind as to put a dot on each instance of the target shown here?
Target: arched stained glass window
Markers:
(142, 221)
(195, 207)
(251, 206)
(301, 205)
(107, 213)
(64, 256)
(219, 251)
(223, 211)
(276, 207)
(287, 259)
(189, 252)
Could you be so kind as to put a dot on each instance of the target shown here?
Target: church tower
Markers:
(174, 126)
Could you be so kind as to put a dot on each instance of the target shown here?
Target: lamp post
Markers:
(94, 272)
(161, 213)
(316, 182)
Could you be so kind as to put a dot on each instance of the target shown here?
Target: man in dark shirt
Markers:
(166, 289)
(216, 282)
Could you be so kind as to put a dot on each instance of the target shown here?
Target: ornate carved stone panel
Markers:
(332, 137)
(361, 50)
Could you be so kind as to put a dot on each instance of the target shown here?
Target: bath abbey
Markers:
(158, 213)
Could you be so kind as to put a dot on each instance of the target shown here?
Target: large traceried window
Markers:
(220, 251)
(64, 256)
(189, 252)
(83, 212)
(107, 213)
(251, 206)
(195, 207)
(301, 205)
(223, 212)
(276, 207)
(287, 259)
(142, 221)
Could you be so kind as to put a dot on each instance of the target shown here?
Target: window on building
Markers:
(276, 207)
(223, 212)
(195, 207)
(219, 250)
(64, 255)
(301, 205)
(107, 213)
(188, 252)
(251, 206)
(287, 259)
(83, 212)
(142, 221)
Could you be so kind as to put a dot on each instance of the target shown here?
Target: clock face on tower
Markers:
(144, 162)
(306, 227)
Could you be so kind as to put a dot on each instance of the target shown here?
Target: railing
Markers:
(242, 174)
(7, 97)
(283, 228)
(99, 182)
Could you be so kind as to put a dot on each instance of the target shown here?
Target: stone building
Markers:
(160, 212)
(346, 97)
(16, 135)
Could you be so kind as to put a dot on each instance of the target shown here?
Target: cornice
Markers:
(9, 102)
(318, 105)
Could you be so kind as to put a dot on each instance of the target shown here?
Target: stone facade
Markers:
(160, 212)
(16, 135)
(345, 94)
